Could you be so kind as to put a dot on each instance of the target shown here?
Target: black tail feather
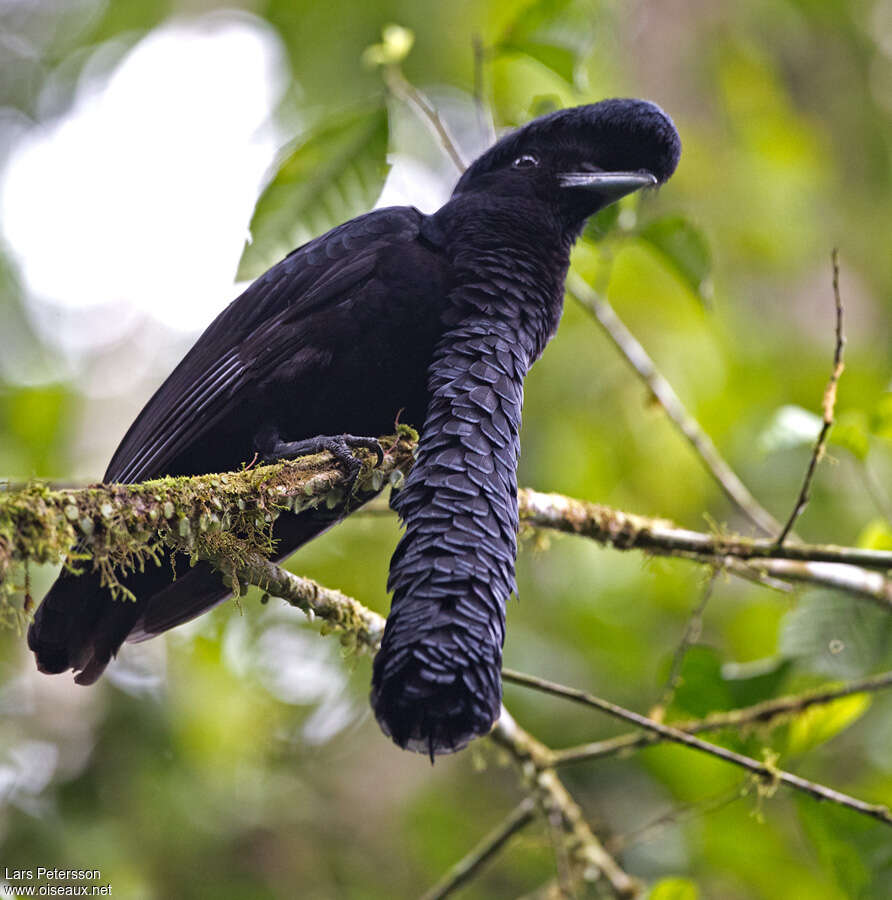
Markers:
(436, 682)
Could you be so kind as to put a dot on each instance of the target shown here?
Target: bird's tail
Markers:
(436, 682)
(80, 626)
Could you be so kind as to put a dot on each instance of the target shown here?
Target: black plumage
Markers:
(440, 316)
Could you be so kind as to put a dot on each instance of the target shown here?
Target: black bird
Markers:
(440, 316)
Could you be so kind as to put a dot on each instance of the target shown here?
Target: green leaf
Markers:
(876, 535)
(852, 432)
(674, 889)
(757, 680)
(701, 688)
(817, 724)
(536, 18)
(333, 175)
(600, 225)
(828, 633)
(845, 843)
(684, 247)
(789, 427)
(881, 419)
(561, 60)
(556, 33)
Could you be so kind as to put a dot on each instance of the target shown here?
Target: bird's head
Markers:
(579, 160)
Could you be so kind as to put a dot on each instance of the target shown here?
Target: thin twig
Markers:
(778, 573)
(854, 580)
(763, 713)
(641, 362)
(484, 122)
(827, 408)
(691, 635)
(621, 842)
(758, 574)
(403, 89)
(470, 865)
(555, 824)
(762, 770)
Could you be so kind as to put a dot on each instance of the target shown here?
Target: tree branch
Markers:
(360, 627)
(629, 346)
(586, 853)
(466, 868)
(692, 632)
(764, 771)
(764, 713)
(404, 90)
(223, 517)
(626, 531)
(231, 515)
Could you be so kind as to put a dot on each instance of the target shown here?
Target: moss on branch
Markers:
(226, 518)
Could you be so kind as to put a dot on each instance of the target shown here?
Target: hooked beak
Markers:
(610, 186)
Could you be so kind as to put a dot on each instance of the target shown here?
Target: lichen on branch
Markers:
(226, 518)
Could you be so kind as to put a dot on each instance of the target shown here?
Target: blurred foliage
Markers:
(237, 758)
(333, 176)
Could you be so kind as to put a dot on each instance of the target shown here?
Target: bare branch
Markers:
(766, 713)
(852, 579)
(638, 358)
(691, 636)
(674, 817)
(404, 90)
(471, 864)
(828, 406)
(764, 771)
(484, 121)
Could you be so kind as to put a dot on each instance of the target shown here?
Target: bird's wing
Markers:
(222, 365)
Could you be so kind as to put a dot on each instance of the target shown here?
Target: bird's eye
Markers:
(527, 161)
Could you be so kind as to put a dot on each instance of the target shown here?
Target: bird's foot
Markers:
(340, 446)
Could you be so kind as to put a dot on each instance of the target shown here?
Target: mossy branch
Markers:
(627, 531)
(857, 571)
(225, 518)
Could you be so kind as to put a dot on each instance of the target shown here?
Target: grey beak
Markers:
(610, 185)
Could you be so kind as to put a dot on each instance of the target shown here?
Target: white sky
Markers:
(136, 202)
(142, 192)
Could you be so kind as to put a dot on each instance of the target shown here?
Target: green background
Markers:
(230, 778)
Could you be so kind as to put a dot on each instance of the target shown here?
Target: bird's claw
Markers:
(340, 446)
